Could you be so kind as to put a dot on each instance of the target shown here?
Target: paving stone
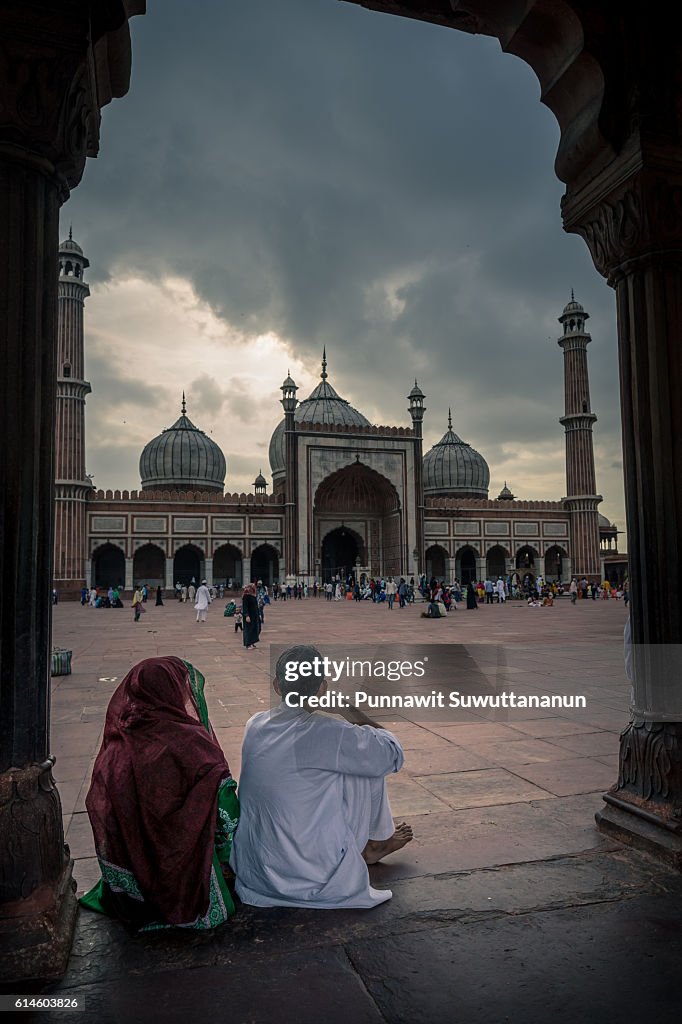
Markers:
(578, 775)
(320, 986)
(480, 788)
(563, 967)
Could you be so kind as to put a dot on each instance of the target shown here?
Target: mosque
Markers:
(346, 495)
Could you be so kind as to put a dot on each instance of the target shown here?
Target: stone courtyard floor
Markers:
(508, 905)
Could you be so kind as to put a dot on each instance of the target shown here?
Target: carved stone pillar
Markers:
(53, 76)
(634, 231)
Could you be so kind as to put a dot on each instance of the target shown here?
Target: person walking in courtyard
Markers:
(573, 591)
(391, 589)
(191, 591)
(159, 597)
(252, 622)
(238, 621)
(501, 590)
(472, 600)
(162, 804)
(138, 604)
(202, 602)
(402, 592)
(488, 587)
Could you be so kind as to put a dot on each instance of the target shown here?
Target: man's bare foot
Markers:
(376, 849)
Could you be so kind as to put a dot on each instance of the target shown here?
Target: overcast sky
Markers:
(287, 175)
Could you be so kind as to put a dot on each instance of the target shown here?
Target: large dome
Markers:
(452, 468)
(323, 405)
(182, 456)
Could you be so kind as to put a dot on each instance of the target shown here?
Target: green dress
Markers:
(119, 880)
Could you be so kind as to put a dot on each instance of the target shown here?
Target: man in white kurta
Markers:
(313, 797)
(202, 602)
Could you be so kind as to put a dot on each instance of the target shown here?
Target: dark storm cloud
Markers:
(372, 183)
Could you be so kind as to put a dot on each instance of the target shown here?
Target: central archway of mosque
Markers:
(358, 523)
(341, 552)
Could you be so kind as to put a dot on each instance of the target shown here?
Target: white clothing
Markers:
(202, 602)
(312, 793)
(391, 587)
(501, 591)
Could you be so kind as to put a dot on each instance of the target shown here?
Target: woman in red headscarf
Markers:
(162, 804)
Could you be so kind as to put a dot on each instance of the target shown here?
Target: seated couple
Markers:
(312, 811)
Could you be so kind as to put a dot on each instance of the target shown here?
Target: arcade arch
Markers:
(465, 565)
(264, 564)
(437, 563)
(188, 565)
(108, 567)
(496, 562)
(555, 563)
(149, 566)
(227, 564)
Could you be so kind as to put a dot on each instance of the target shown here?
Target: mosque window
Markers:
(66, 370)
(68, 268)
(77, 270)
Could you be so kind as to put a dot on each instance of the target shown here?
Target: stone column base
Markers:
(37, 892)
(650, 836)
(644, 808)
(36, 933)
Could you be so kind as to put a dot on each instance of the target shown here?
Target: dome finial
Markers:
(71, 232)
(324, 374)
(449, 419)
(572, 296)
(184, 404)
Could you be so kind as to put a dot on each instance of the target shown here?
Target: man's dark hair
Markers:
(305, 686)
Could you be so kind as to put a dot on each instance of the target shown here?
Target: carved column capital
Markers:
(49, 112)
(59, 64)
(629, 218)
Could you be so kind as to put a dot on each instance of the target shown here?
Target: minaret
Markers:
(581, 486)
(289, 403)
(71, 483)
(417, 410)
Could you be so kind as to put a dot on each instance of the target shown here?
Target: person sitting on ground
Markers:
(314, 808)
(162, 804)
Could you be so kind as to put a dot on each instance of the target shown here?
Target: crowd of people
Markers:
(440, 597)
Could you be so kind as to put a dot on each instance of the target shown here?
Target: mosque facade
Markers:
(346, 496)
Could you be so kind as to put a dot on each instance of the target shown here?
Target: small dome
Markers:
(452, 468)
(323, 405)
(70, 246)
(573, 308)
(182, 456)
(505, 494)
(260, 483)
(416, 392)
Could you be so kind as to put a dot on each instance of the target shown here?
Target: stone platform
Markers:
(508, 905)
